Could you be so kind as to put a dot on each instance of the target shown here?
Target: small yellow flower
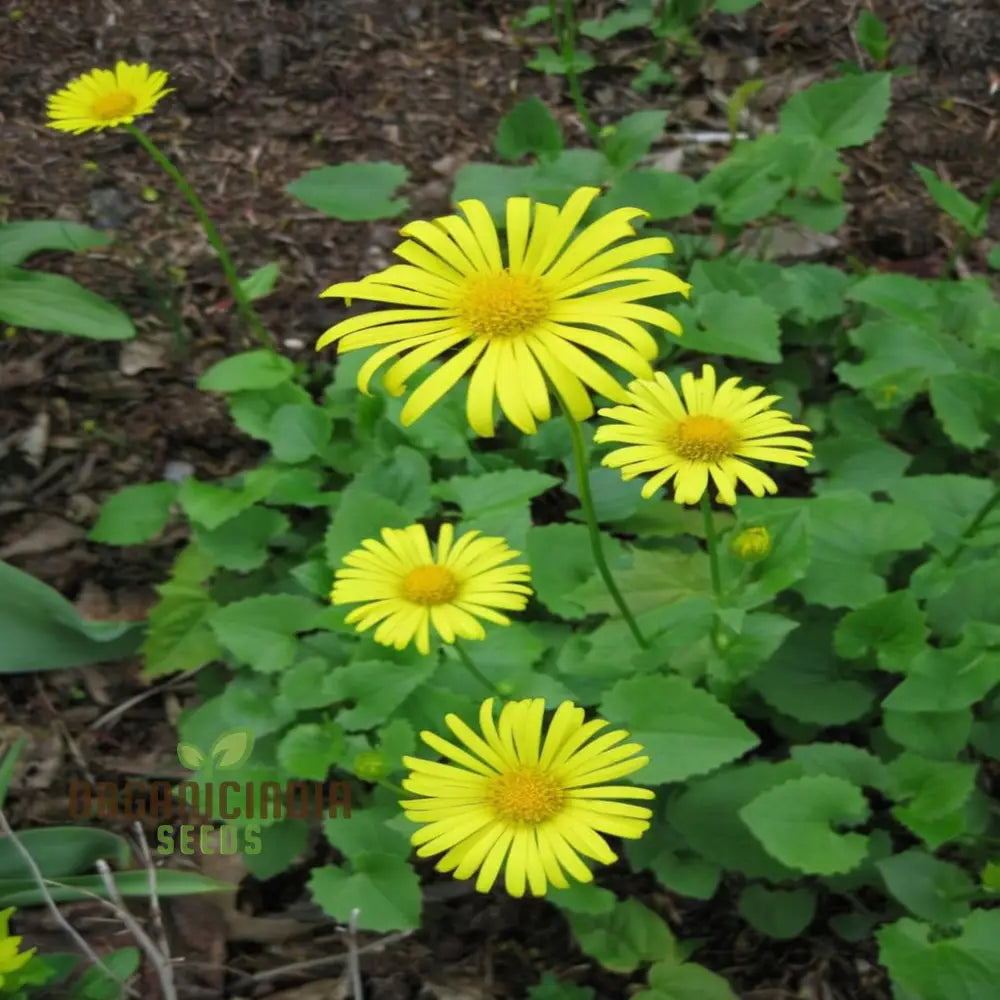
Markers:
(406, 587)
(707, 433)
(751, 543)
(537, 312)
(105, 98)
(11, 958)
(515, 800)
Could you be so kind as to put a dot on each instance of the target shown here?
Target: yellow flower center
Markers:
(113, 104)
(503, 304)
(703, 438)
(526, 796)
(430, 585)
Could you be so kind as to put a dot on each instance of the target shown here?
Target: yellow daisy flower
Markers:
(515, 319)
(105, 98)
(708, 432)
(512, 796)
(12, 959)
(401, 583)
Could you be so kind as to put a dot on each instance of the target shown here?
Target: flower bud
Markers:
(751, 544)
(371, 765)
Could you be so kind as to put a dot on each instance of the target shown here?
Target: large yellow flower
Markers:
(515, 319)
(707, 433)
(408, 588)
(105, 98)
(511, 797)
(12, 959)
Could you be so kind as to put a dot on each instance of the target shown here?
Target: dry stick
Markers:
(155, 913)
(36, 873)
(353, 958)
(315, 963)
(161, 962)
(112, 714)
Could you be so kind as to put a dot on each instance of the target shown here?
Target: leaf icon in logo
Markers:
(232, 749)
(190, 756)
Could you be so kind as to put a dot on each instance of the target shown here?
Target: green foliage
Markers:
(353, 192)
(43, 631)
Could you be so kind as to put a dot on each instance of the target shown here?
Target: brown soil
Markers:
(266, 90)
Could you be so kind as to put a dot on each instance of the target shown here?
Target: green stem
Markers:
(973, 527)
(587, 503)
(473, 669)
(393, 787)
(232, 278)
(566, 37)
(712, 542)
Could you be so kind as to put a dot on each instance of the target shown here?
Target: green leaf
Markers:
(43, 631)
(624, 938)
(103, 982)
(561, 561)
(931, 796)
(361, 514)
(551, 988)
(298, 432)
(528, 128)
(368, 829)
(483, 494)
(302, 685)
(377, 689)
(492, 184)
(39, 301)
(242, 542)
(965, 967)
(947, 679)
(844, 112)
(61, 850)
(663, 195)
(261, 631)
(687, 981)
(382, 886)
(676, 866)
(733, 325)
(404, 478)
(793, 822)
(629, 141)
(547, 60)
(280, 844)
(685, 731)
(615, 22)
(779, 913)
(308, 751)
(899, 295)
(734, 7)
(841, 760)
(249, 370)
(580, 897)
(707, 815)
(261, 282)
(210, 505)
(134, 514)
(952, 202)
(7, 765)
(872, 36)
(180, 637)
(19, 240)
(803, 679)
(967, 406)
(930, 889)
(938, 735)
(970, 596)
(353, 192)
(169, 882)
(955, 500)
(891, 627)
(555, 180)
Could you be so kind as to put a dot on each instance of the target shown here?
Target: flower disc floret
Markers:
(530, 800)
(526, 320)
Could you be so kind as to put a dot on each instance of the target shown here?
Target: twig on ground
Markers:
(353, 958)
(161, 962)
(50, 903)
(113, 714)
(155, 913)
(314, 963)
